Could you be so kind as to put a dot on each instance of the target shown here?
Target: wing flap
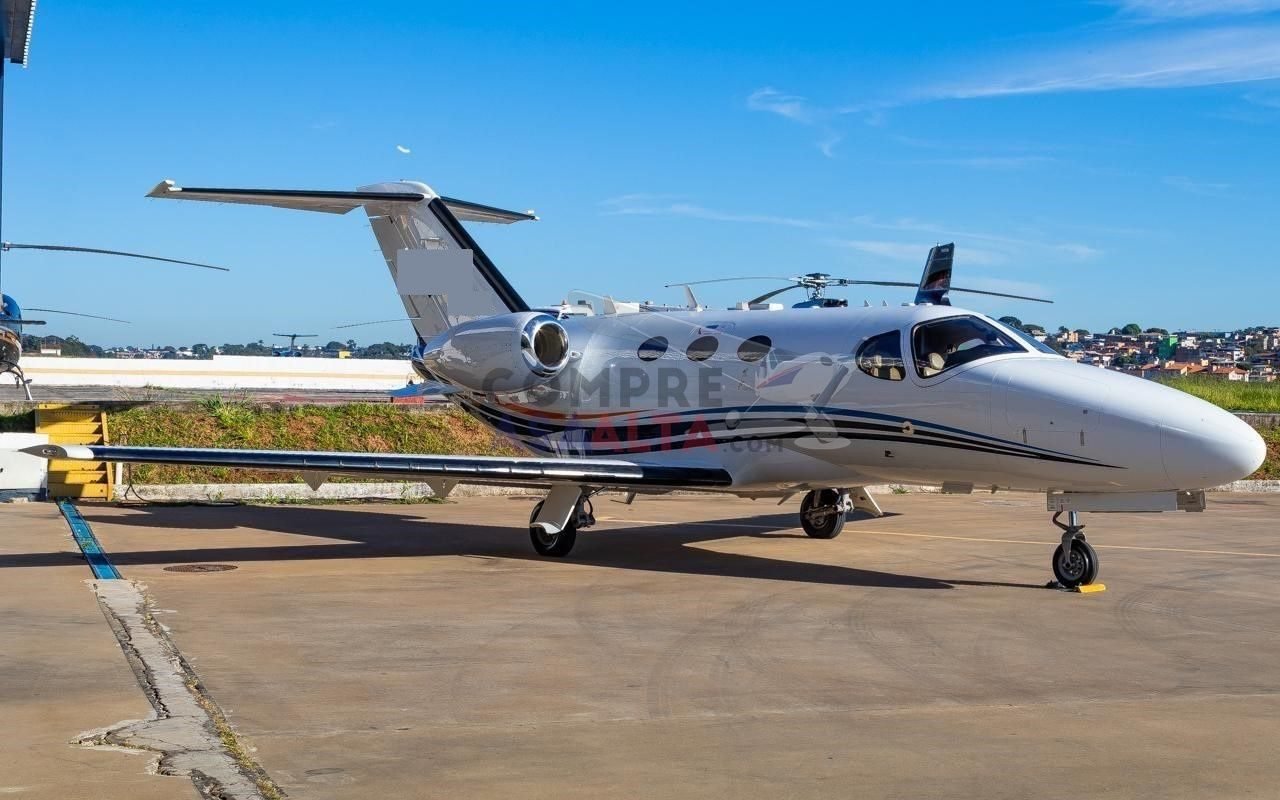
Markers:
(462, 469)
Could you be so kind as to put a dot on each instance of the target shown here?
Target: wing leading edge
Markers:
(492, 470)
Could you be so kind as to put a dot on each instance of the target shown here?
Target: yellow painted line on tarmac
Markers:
(1037, 543)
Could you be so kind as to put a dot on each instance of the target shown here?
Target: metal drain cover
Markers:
(200, 568)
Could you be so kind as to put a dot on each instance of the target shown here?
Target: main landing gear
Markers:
(1075, 562)
(822, 512)
(558, 545)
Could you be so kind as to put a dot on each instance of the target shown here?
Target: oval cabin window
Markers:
(702, 348)
(653, 349)
(755, 348)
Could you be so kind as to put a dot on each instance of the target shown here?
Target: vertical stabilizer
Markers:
(443, 277)
(936, 281)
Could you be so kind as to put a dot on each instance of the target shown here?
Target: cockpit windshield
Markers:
(943, 344)
(1033, 342)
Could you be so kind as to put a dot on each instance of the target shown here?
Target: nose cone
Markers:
(1203, 446)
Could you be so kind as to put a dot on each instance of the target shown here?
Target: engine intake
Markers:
(508, 353)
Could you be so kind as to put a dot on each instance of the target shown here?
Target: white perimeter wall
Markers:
(221, 372)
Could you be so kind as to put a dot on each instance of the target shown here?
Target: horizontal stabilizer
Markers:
(442, 275)
(333, 202)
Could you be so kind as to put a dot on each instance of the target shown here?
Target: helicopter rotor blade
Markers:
(1000, 294)
(725, 280)
(764, 298)
(59, 248)
(850, 282)
(78, 314)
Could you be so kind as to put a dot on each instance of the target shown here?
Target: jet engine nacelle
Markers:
(508, 353)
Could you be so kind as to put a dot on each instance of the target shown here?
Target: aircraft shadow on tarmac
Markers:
(382, 533)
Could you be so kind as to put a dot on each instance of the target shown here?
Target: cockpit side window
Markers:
(881, 357)
(943, 344)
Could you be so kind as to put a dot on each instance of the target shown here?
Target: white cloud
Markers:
(1195, 187)
(989, 162)
(1080, 252)
(1000, 249)
(1263, 99)
(1149, 61)
(915, 251)
(791, 106)
(799, 109)
(1187, 9)
(1010, 244)
(664, 205)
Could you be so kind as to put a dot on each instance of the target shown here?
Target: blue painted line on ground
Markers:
(101, 565)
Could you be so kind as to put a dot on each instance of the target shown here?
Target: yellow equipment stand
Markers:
(75, 424)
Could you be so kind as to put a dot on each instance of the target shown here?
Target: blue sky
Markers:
(1117, 157)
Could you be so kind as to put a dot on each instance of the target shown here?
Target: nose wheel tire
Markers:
(1079, 568)
(820, 514)
(554, 545)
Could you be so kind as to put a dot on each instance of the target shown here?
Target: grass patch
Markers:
(355, 427)
(22, 422)
(1231, 395)
(1270, 470)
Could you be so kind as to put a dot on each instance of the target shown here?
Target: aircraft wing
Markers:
(491, 470)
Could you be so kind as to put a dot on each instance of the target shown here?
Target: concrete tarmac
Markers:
(62, 673)
(703, 647)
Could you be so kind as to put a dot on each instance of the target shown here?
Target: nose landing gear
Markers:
(1075, 562)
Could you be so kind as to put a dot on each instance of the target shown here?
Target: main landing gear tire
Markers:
(555, 545)
(820, 514)
(1081, 567)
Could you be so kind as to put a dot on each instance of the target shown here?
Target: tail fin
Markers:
(936, 280)
(441, 274)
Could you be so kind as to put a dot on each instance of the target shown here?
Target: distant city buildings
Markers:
(1244, 355)
(72, 347)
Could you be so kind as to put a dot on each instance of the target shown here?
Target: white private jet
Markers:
(924, 393)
